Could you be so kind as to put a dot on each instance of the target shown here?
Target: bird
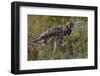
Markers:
(57, 32)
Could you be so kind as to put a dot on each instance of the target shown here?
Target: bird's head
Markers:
(70, 25)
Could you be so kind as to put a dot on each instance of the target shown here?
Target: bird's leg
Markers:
(60, 41)
(54, 39)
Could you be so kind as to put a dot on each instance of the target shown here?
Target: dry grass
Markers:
(75, 45)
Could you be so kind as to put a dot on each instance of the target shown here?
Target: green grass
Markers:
(76, 46)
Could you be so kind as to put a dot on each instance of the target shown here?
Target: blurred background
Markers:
(76, 46)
